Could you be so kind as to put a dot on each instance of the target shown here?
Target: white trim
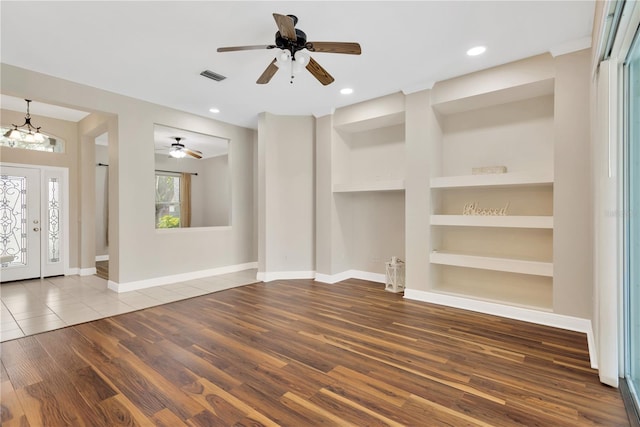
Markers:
(366, 275)
(572, 46)
(270, 276)
(333, 278)
(73, 271)
(175, 278)
(87, 271)
(350, 274)
(102, 257)
(518, 313)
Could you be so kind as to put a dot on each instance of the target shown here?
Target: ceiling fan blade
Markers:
(319, 72)
(193, 153)
(252, 47)
(268, 73)
(286, 26)
(348, 48)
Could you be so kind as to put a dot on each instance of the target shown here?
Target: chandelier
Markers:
(26, 132)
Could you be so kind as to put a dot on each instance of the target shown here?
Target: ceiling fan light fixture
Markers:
(302, 57)
(177, 153)
(283, 58)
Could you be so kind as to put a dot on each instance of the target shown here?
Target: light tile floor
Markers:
(33, 306)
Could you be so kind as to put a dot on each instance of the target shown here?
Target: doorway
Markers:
(33, 231)
(102, 205)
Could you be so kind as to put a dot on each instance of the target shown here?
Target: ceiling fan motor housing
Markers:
(292, 45)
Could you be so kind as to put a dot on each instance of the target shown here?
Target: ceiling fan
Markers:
(178, 150)
(293, 46)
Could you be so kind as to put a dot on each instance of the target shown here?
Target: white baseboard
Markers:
(72, 271)
(350, 274)
(333, 278)
(175, 278)
(87, 271)
(517, 313)
(102, 258)
(365, 275)
(270, 276)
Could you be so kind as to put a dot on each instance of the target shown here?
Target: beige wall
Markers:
(217, 191)
(287, 179)
(422, 134)
(573, 220)
(138, 250)
(69, 159)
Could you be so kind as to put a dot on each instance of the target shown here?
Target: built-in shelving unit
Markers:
(369, 154)
(471, 255)
(368, 181)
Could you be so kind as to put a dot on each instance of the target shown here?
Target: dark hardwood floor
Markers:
(299, 353)
(102, 269)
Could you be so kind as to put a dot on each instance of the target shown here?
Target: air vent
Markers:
(213, 76)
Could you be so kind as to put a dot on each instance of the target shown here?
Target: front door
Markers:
(20, 223)
(33, 234)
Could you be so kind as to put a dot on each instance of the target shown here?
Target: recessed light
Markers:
(214, 110)
(346, 91)
(475, 51)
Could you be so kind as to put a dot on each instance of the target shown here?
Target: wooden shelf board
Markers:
(510, 265)
(492, 180)
(391, 185)
(507, 221)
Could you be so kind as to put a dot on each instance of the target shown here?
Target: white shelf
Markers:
(510, 265)
(495, 97)
(390, 185)
(507, 221)
(492, 180)
(372, 123)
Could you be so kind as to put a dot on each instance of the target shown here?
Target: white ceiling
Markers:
(155, 51)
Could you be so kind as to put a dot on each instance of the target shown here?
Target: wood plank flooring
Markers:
(299, 353)
(102, 269)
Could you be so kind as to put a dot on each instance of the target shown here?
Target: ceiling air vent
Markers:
(213, 76)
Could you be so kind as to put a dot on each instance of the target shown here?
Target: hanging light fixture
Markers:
(30, 133)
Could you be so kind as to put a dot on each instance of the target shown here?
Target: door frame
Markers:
(64, 201)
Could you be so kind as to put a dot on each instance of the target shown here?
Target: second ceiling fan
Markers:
(293, 45)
